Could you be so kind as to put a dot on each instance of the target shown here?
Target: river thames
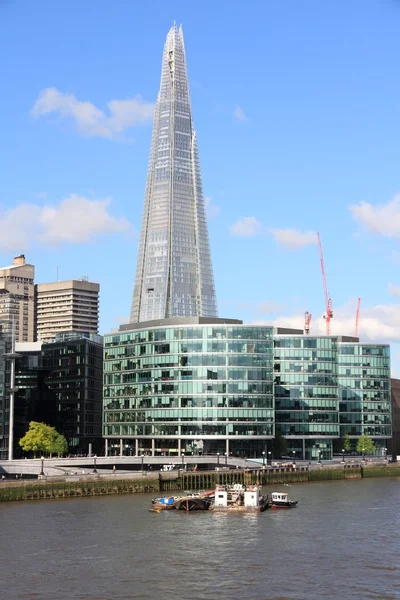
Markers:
(341, 542)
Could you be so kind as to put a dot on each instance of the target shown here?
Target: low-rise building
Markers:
(59, 384)
(184, 385)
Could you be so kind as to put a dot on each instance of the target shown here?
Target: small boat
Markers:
(239, 498)
(164, 502)
(281, 500)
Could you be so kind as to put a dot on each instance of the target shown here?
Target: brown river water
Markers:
(343, 541)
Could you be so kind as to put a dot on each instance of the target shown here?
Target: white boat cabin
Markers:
(237, 494)
(279, 497)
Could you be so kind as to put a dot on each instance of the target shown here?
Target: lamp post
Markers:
(217, 459)
(41, 469)
(94, 464)
(363, 450)
(294, 456)
(142, 457)
(343, 455)
(183, 460)
(269, 457)
(226, 458)
(263, 455)
(385, 451)
(319, 456)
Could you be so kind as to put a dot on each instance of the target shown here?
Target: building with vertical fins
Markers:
(178, 380)
(174, 276)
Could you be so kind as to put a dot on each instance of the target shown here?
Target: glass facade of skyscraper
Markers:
(231, 388)
(174, 275)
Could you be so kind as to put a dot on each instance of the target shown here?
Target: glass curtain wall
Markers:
(306, 394)
(364, 388)
(197, 385)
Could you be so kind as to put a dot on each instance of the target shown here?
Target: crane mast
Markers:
(357, 318)
(328, 301)
(307, 322)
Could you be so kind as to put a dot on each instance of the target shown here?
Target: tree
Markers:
(60, 444)
(365, 444)
(346, 442)
(279, 445)
(43, 438)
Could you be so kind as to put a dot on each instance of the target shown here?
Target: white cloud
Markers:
(394, 290)
(380, 324)
(269, 308)
(239, 114)
(74, 220)
(90, 120)
(293, 238)
(212, 209)
(381, 219)
(246, 227)
(41, 195)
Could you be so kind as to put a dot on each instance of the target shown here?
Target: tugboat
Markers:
(239, 498)
(281, 500)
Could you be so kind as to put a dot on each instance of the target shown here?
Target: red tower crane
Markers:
(307, 322)
(357, 318)
(328, 302)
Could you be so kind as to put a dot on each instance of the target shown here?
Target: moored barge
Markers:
(239, 498)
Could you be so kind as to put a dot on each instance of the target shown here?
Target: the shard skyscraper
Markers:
(174, 276)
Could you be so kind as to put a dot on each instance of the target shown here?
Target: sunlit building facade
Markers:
(174, 275)
(190, 386)
(184, 386)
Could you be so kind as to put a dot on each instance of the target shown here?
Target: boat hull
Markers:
(291, 504)
(191, 504)
(239, 509)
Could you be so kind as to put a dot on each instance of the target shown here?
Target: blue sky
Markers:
(297, 110)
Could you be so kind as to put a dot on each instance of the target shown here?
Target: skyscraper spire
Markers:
(174, 274)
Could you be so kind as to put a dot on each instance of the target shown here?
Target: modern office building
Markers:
(174, 276)
(327, 387)
(75, 363)
(183, 385)
(59, 384)
(65, 306)
(394, 444)
(17, 300)
(4, 406)
(177, 379)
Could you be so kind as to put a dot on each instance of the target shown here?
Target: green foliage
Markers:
(343, 443)
(279, 445)
(60, 445)
(365, 444)
(43, 438)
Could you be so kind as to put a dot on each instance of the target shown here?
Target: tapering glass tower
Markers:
(174, 276)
